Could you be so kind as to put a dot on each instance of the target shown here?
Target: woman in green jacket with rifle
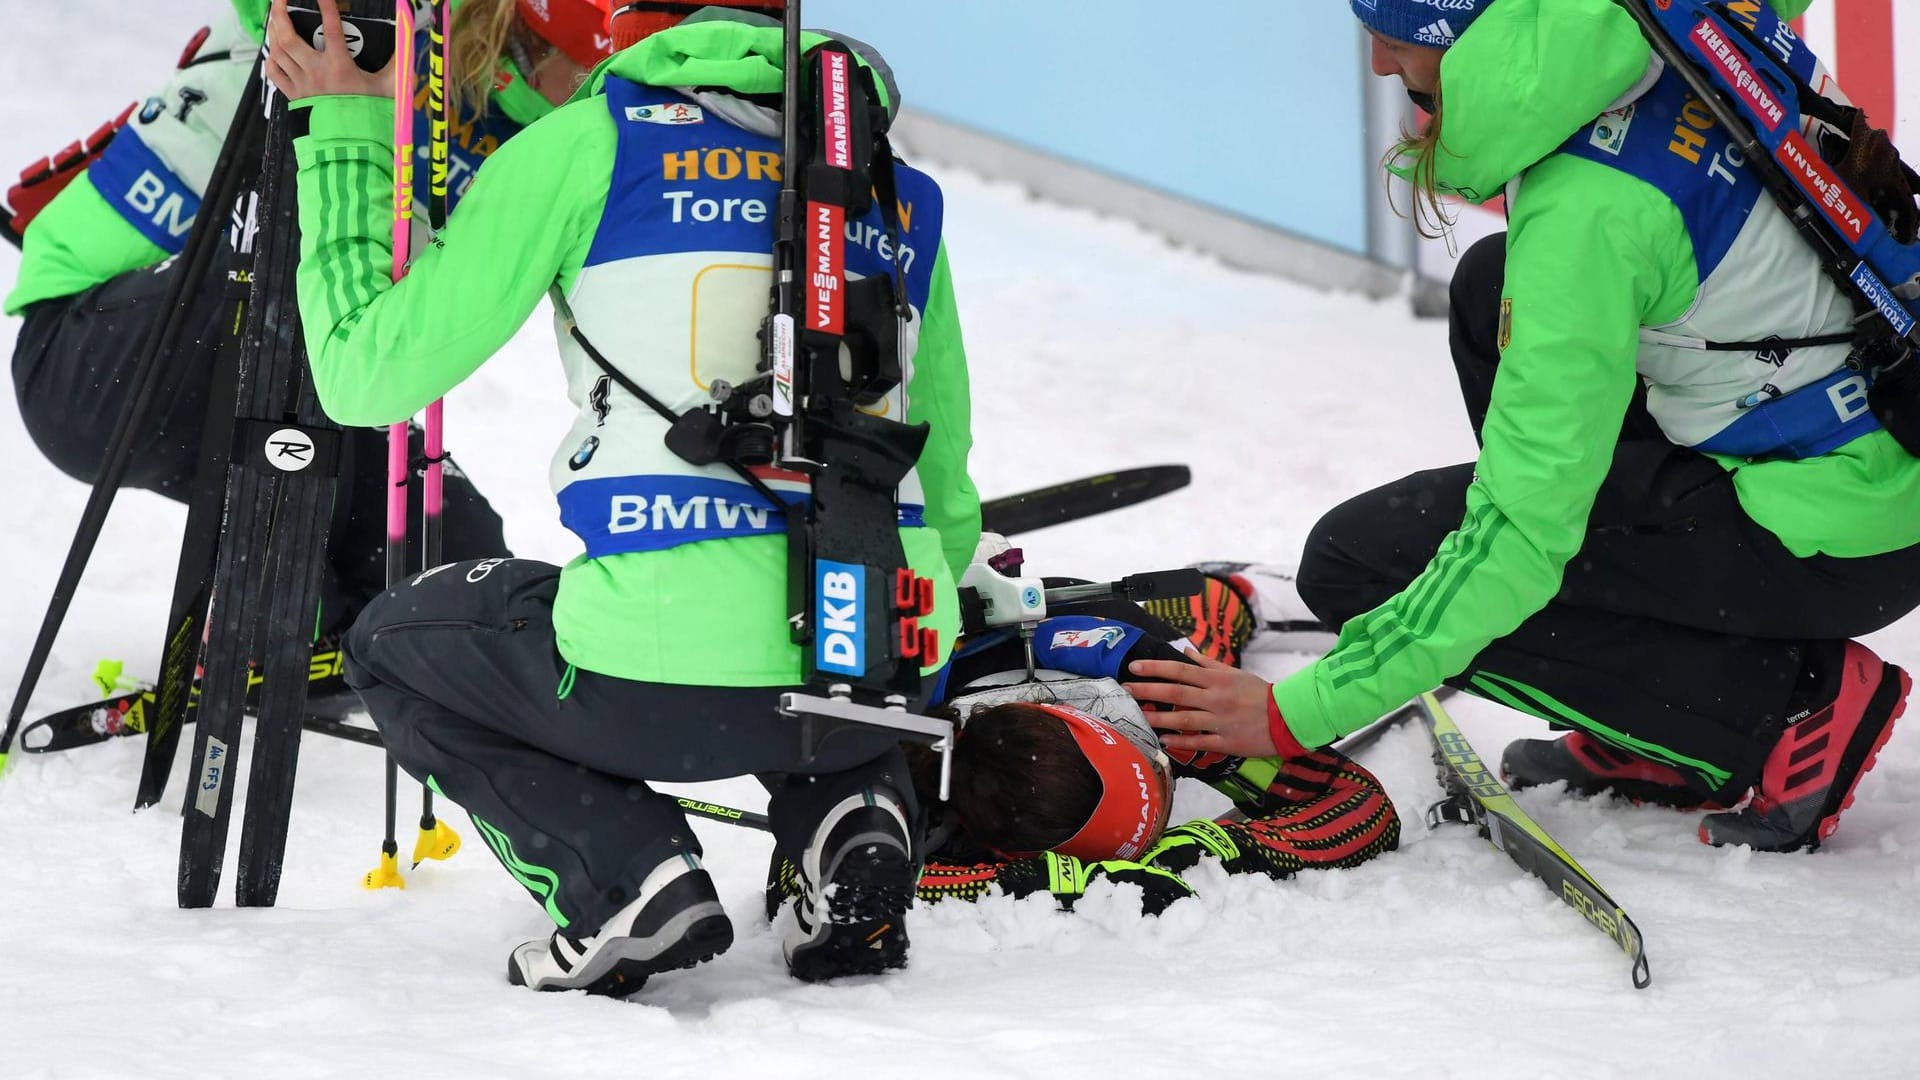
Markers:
(1684, 512)
(545, 699)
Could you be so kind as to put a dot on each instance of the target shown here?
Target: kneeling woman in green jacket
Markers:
(1682, 510)
(545, 699)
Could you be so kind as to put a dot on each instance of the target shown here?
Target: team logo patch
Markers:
(585, 454)
(1506, 322)
(1087, 639)
(1610, 131)
(673, 114)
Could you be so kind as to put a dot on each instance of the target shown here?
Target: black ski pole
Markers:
(156, 351)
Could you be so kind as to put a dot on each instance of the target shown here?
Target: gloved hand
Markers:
(1183, 846)
(1067, 879)
(1159, 886)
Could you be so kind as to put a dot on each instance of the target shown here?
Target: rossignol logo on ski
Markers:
(213, 774)
(289, 449)
(840, 636)
(1734, 67)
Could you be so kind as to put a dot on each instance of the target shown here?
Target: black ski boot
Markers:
(1590, 767)
(857, 880)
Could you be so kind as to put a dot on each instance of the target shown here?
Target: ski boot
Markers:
(857, 879)
(1810, 774)
(1590, 767)
(675, 921)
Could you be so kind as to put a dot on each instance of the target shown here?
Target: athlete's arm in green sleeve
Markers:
(382, 351)
(939, 394)
(253, 16)
(1588, 256)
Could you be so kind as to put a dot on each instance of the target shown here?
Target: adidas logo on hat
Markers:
(1438, 32)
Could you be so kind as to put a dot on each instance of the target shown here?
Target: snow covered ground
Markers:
(1093, 345)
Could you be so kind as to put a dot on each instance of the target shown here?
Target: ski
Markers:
(1360, 740)
(1058, 504)
(200, 540)
(132, 713)
(279, 498)
(295, 455)
(124, 715)
(1475, 796)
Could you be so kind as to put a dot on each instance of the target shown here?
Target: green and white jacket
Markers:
(1603, 279)
(649, 205)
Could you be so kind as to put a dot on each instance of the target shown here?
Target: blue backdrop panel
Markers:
(1253, 107)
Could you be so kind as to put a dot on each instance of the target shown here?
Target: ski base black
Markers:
(279, 493)
(125, 715)
(1475, 796)
(1058, 504)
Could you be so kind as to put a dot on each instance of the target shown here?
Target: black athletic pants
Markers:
(73, 364)
(460, 671)
(1682, 630)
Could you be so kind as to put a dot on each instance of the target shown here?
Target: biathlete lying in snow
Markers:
(1059, 780)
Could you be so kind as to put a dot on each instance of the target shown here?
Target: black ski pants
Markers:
(460, 671)
(1681, 626)
(74, 363)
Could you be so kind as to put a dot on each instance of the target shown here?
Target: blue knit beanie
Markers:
(1436, 23)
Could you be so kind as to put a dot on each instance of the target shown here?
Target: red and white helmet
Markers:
(1136, 776)
(578, 28)
(636, 19)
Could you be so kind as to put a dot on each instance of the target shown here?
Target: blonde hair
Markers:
(1417, 153)
(481, 29)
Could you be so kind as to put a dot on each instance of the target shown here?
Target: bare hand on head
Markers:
(302, 71)
(1216, 707)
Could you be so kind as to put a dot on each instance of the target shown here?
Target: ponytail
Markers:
(481, 29)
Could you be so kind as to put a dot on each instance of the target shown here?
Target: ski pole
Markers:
(387, 874)
(746, 819)
(436, 840)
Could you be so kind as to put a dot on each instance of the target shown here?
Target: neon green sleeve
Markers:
(382, 351)
(939, 394)
(77, 242)
(253, 16)
(1591, 253)
(1790, 9)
